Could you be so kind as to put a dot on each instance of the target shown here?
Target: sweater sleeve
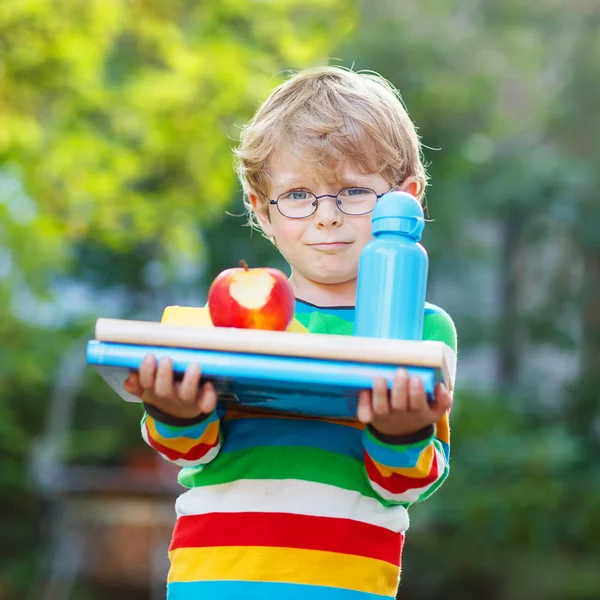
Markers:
(408, 469)
(185, 442)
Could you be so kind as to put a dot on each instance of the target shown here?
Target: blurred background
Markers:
(118, 197)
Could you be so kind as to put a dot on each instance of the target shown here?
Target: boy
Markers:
(282, 506)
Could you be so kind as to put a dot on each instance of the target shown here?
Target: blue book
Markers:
(311, 374)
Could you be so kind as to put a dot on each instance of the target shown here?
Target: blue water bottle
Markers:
(392, 272)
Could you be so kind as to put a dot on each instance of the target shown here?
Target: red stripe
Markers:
(194, 453)
(398, 484)
(288, 530)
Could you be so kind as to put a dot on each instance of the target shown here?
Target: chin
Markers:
(332, 278)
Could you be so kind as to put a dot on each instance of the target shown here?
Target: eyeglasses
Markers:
(353, 201)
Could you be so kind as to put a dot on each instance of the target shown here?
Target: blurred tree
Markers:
(504, 95)
(118, 117)
(116, 125)
(116, 120)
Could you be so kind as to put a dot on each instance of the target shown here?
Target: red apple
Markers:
(260, 298)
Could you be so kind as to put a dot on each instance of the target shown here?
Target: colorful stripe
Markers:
(193, 432)
(182, 444)
(442, 433)
(184, 450)
(288, 530)
(244, 434)
(296, 507)
(438, 327)
(398, 456)
(399, 488)
(396, 482)
(284, 565)
(262, 590)
(284, 462)
(294, 496)
(422, 469)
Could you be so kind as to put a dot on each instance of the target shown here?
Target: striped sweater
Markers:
(283, 506)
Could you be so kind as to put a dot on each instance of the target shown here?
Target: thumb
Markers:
(364, 410)
(132, 385)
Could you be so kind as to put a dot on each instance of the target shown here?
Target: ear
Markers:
(259, 206)
(411, 186)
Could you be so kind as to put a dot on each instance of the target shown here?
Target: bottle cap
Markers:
(399, 212)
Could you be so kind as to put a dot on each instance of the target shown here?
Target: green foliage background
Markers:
(117, 120)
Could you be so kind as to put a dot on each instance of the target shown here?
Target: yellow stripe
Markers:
(231, 414)
(284, 565)
(421, 469)
(442, 429)
(184, 444)
(296, 327)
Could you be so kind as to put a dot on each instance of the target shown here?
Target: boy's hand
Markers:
(184, 400)
(404, 409)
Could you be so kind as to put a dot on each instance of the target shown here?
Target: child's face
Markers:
(325, 247)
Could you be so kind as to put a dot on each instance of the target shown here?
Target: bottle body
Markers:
(391, 288)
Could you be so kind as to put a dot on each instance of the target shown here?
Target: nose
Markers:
(328, 214)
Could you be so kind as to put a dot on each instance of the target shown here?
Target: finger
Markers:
(381, 403)
(148, 371)
(132, 380)
(417, 398)
(187, 390)
(207, 401)
(163, 386)
(399, 395)
(442, 400)
(132, 385)
(364, 410)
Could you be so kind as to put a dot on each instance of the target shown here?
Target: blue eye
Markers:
(295, 195)
(355, 192)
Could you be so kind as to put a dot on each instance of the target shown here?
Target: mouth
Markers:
(330, 246)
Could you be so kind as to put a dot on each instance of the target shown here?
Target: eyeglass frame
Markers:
(337, 203)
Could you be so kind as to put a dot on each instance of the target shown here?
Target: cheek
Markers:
(286, 231)
(363, 228)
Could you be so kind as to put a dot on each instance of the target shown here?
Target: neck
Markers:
(324, 294)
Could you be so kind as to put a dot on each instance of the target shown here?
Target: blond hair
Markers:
(328, 117)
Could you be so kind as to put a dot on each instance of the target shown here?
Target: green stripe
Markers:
(321, 322)
(303, 318)
(283, 462)
(439, 327)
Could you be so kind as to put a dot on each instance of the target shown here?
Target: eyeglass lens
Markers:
(351, 201)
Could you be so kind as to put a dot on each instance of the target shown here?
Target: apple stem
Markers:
(243, 264)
